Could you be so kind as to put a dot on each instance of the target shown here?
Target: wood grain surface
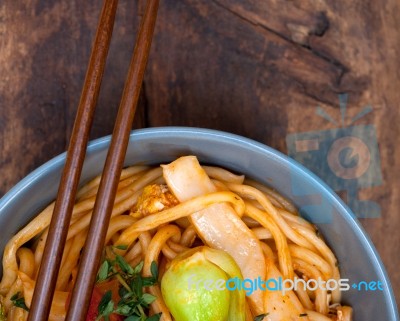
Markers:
(254, 68)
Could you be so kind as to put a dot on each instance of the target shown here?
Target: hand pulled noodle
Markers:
(161, 215)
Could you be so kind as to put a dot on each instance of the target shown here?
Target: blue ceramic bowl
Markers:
(357, 257)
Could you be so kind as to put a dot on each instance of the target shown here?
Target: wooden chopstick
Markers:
(90, 259)
(58, 229)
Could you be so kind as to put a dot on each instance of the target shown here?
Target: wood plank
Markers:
(44, 49)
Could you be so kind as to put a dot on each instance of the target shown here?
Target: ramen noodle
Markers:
(175, 230)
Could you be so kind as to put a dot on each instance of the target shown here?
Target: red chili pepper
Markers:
(94, 304)
(98, 292)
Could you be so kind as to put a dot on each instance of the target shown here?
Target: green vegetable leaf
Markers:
(121, 247)
(138, 285)
(133, 318)
(154, 270)
(19, 301)
(125, 267)
(154, 317)
(124, 309)
(138, 268)
(149, 281)
(103, 271)
(104, 301)
(133, 303)
(148, 298)
(106, 306)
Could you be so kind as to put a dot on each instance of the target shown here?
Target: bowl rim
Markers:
(223, 136)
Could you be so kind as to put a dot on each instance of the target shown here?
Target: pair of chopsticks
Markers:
(58, 229)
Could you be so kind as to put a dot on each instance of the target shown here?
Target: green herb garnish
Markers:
(19, 301)
(103, 271)
(106, 306)
(154, 270)
(121, 247)
(133, 302)
(154, 317)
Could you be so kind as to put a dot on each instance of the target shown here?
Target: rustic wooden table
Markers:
(263, 69)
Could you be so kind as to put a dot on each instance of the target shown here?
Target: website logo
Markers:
(280, 284)
(347, 158)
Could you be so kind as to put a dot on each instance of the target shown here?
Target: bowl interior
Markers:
(357, 257)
